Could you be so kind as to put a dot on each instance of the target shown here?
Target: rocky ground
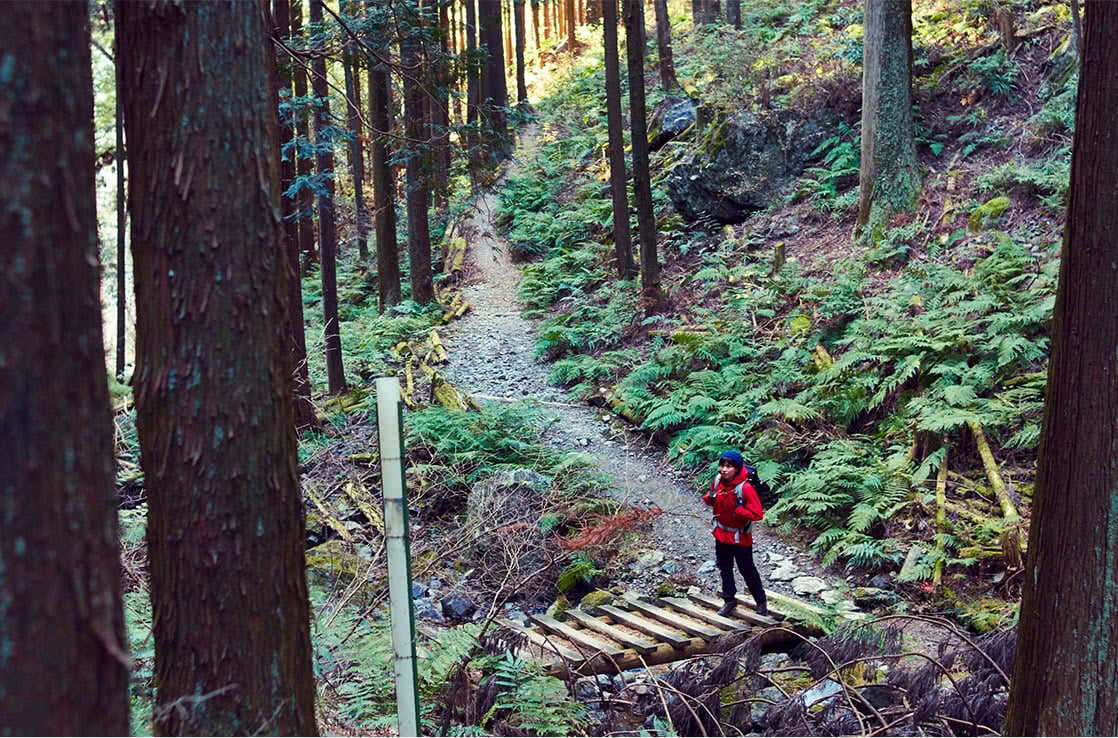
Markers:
(491, 357)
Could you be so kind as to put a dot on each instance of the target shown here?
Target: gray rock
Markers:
(821, 692)
(458, 607)
(882, 581)
(786, 572)
(706, 567)
(742, 163)
(757, 711)
(774, 660)
(833, 597)
(424, 610)
(671, 567)
(808, 585)
(418, 589)
(667, 120)
(647, 560)
(874, 597)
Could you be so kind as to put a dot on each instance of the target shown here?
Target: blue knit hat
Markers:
(734, 458)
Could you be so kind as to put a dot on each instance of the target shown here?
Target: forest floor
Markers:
(492, 357)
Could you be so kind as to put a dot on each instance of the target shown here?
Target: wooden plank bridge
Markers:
(638, 630)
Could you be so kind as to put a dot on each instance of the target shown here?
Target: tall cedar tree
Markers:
(473, 88)
(121, 226)
(572, 22)
(1065, 677)
(213, 396)
(518, 25)
(439, 100)
(638, 137)
(327, 227)
(384, 176)
(304, 157)
(494, 89)
(668, 80)
(536, 32)
(593, 11)
(356, 161)
(889, 179)
(305, 416)
(63, 654)
(622, 237)
(733, 13)
(409, 24)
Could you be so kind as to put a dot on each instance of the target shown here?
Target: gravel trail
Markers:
(491, 356)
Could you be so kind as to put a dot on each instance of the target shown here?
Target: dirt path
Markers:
(491, 356)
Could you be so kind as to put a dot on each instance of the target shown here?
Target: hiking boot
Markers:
(726, 609)
(763, 609)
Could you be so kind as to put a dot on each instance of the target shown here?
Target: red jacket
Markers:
(729, 513)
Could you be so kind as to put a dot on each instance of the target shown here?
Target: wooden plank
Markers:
(646, 626)
(549, 645)
(666, 616)
(750, 617)
(552, 625)
(701, 613)
(641, 645)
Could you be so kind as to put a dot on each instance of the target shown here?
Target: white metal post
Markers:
(398, 545)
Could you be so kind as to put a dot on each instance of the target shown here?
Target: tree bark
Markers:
(572, 24)
(668, 81)
(1065, 676)
(890, 176)
(622, 237)
(473, 89)
(121, 226)
(547, 19)
(518, 24)
(733, 13)
(415, 173)
(384, 179)
(327, 227)
(638, 132)
(494, 87)
(304, 160)
(213, 398)
(305, 415)
(63, 651)
(440, 110)
(357, 164)
(536, 32)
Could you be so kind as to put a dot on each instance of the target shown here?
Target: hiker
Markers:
(736, 506)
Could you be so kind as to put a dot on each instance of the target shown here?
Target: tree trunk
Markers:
(327, 228)
(440, 110)
(1065, 676)
(622, 238)
(536, 32)
(547, 19)
(416, 174)
(506, 22)
(638, 132)
(63, 651)
(494, 89)
(384, 179)
(356, 163)
(668, 81)
(890, 176)
(226, 523)
(121, 225)
(473, 89)
(518, 23)
(571, 26)
(304, 161)
(733, 13)
(305, 415)
(593, 11)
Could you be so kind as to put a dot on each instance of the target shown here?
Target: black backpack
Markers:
(765, 494)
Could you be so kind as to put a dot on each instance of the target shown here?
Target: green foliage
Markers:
(836, 172)
(529, 701)
(138, 624)
(996, 72)
(580, 571)
(1047, 178)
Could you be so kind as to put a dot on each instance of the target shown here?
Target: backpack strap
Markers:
(738, 532)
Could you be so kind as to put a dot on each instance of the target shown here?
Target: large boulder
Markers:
(671, 117)
(742, 163)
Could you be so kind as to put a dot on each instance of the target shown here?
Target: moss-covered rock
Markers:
(987, 213)
(597, 598)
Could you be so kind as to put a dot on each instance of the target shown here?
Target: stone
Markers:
(671, 117)
(774, 660)
(458, 607)
(671, 567)
(821, 692)
(418, 589)
(882, 581)
(808, 585)
(706, 567)
(874, 597)
(758, 709)
(786, 572)
(742, 162)
(832, 597)
(647, 560)
(424, 610)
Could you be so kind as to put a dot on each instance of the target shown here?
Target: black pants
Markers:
(725, 554)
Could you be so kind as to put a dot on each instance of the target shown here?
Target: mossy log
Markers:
(1009, 511)
(363, 499)
(328, 517)
(437, 345)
